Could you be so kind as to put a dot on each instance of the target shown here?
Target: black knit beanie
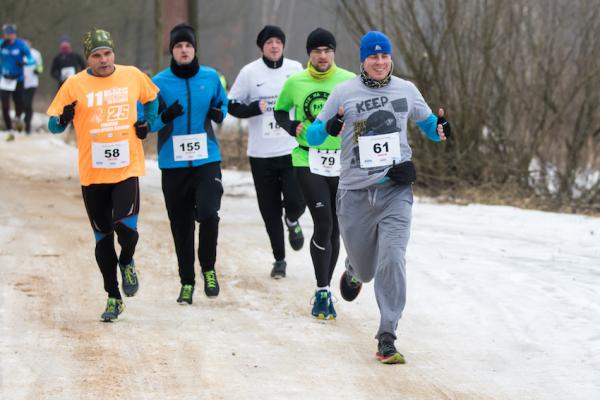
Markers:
(318, 38)
(267, 33)
(182, 33)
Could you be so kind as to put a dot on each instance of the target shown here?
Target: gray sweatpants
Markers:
(375, 227)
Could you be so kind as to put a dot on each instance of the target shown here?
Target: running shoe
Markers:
(321, 304)
(114, 307)
(295, 235)
(349, 286)
(186, 294)
(386, 351)
(211, 285)
(130, 279)
(332, 313)
(278, 270)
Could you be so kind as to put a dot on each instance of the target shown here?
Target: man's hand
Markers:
(68, 113)
(443, 128)
(336, 123)
(172, 112)
(262, 105)
(215, 113)
(403, 173)
(299, 127)
(141, 128)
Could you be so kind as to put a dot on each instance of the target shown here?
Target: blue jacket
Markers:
(197, 95)
(13, 57)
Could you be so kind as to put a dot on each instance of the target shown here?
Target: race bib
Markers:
(8, 84)
(110, 155)
(379, 150)
(270, 127)
(190, 147)
(324, 162)
(66, 72)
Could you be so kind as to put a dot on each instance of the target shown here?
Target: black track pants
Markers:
(277, 189)
(17, 96)
(193, 194)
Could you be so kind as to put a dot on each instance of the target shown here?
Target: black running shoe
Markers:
(186, 294)
(295, 236)
(349, 286)
(278, 270)
(386, 351)
(211, 285)
(129, 279)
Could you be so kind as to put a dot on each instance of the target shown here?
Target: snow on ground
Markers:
(503, 303)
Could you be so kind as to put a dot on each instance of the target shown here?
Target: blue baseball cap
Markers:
(374, 42)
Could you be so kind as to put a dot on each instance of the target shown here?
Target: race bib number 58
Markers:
(379, 150)
(110, 155)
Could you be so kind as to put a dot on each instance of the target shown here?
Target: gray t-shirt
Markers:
(370, 112)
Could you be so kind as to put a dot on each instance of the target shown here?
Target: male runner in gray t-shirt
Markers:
(374, 198)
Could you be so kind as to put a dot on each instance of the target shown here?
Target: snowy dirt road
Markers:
(502, 304)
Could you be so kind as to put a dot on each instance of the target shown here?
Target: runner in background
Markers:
(191, 96)
(66, 63)
(253, 96)
(31, 82)
(14, 55)
(101, 101)
(317, 168)
(374, 200)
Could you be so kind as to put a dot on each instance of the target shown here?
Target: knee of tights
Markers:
(208, 219)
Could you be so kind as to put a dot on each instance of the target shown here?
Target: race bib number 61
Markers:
(379, 150)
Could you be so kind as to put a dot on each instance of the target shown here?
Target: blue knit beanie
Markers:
(374, 42)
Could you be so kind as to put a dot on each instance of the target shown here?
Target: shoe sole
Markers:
(278, 276)
(393, 359)
(323, 317)
(348, 298)
(184, 303)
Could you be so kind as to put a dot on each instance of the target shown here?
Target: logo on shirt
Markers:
(313, 104)
(260, 84)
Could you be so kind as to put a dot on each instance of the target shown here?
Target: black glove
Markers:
(172, 112)
(68, 113)
(403, 173)
(21, 63)
(334, 124)
(141, 128)
(446, 126)
(215, 113)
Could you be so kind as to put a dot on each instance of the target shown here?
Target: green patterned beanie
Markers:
(96, 39)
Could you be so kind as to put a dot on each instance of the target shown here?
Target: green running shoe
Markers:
(321, 305)
(186, 294)
(130, 279)
(114, 307)
(211, 285)
(295, 236)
